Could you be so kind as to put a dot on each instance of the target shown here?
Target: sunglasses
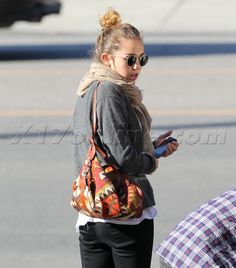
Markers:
(132, 59)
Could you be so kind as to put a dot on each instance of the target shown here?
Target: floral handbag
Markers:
(104, 191)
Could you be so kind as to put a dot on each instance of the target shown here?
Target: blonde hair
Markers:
(112, 32)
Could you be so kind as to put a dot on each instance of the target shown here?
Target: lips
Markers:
(134, 76)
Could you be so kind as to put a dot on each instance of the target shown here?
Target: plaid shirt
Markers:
(206, 238)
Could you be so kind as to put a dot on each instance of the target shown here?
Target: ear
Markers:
(105, 58)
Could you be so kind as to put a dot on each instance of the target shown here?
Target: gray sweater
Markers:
(119, 134)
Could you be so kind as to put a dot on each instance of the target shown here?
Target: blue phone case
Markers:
(160, 150)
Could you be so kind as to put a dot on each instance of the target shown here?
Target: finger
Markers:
(175, 143)
(168, 150)
(163, 137)
(173, 147)
(159, 141)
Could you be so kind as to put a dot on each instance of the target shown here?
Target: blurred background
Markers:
(188, 86)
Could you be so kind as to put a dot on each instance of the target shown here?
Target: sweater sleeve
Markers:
(113, 130)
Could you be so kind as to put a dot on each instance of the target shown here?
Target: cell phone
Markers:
(160, 150)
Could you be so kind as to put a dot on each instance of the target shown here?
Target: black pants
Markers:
(105, 245)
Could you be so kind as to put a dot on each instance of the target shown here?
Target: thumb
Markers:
(166, 134)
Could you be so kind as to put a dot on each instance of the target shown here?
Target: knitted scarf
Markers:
(101, 72)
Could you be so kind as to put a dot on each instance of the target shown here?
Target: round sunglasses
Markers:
(132, 59)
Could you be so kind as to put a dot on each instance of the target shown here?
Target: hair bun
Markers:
(110, 18)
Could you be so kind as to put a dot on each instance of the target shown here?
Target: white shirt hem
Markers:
(148, 213)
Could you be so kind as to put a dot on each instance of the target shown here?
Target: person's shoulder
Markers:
(107, 89)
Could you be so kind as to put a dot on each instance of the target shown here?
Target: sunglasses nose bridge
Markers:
(137, 64)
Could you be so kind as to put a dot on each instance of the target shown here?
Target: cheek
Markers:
(122, 68)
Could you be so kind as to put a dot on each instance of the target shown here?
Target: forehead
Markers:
(131, 46)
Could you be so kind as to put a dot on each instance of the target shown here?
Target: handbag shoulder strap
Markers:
(94, 122)
(94, 112)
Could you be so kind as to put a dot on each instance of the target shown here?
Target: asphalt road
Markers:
(191, 93)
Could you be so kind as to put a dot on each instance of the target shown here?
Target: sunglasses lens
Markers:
(143, 60)
(131, 60)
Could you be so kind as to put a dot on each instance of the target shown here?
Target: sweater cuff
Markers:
(150, 163)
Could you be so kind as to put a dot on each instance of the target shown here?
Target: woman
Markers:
(123, 128)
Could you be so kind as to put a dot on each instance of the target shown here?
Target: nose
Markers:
(136, 65)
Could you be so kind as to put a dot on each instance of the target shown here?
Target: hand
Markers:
(171, 147)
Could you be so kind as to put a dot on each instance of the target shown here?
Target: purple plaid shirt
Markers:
(206, 238)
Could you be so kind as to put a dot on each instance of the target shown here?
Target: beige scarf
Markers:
(101, 72)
